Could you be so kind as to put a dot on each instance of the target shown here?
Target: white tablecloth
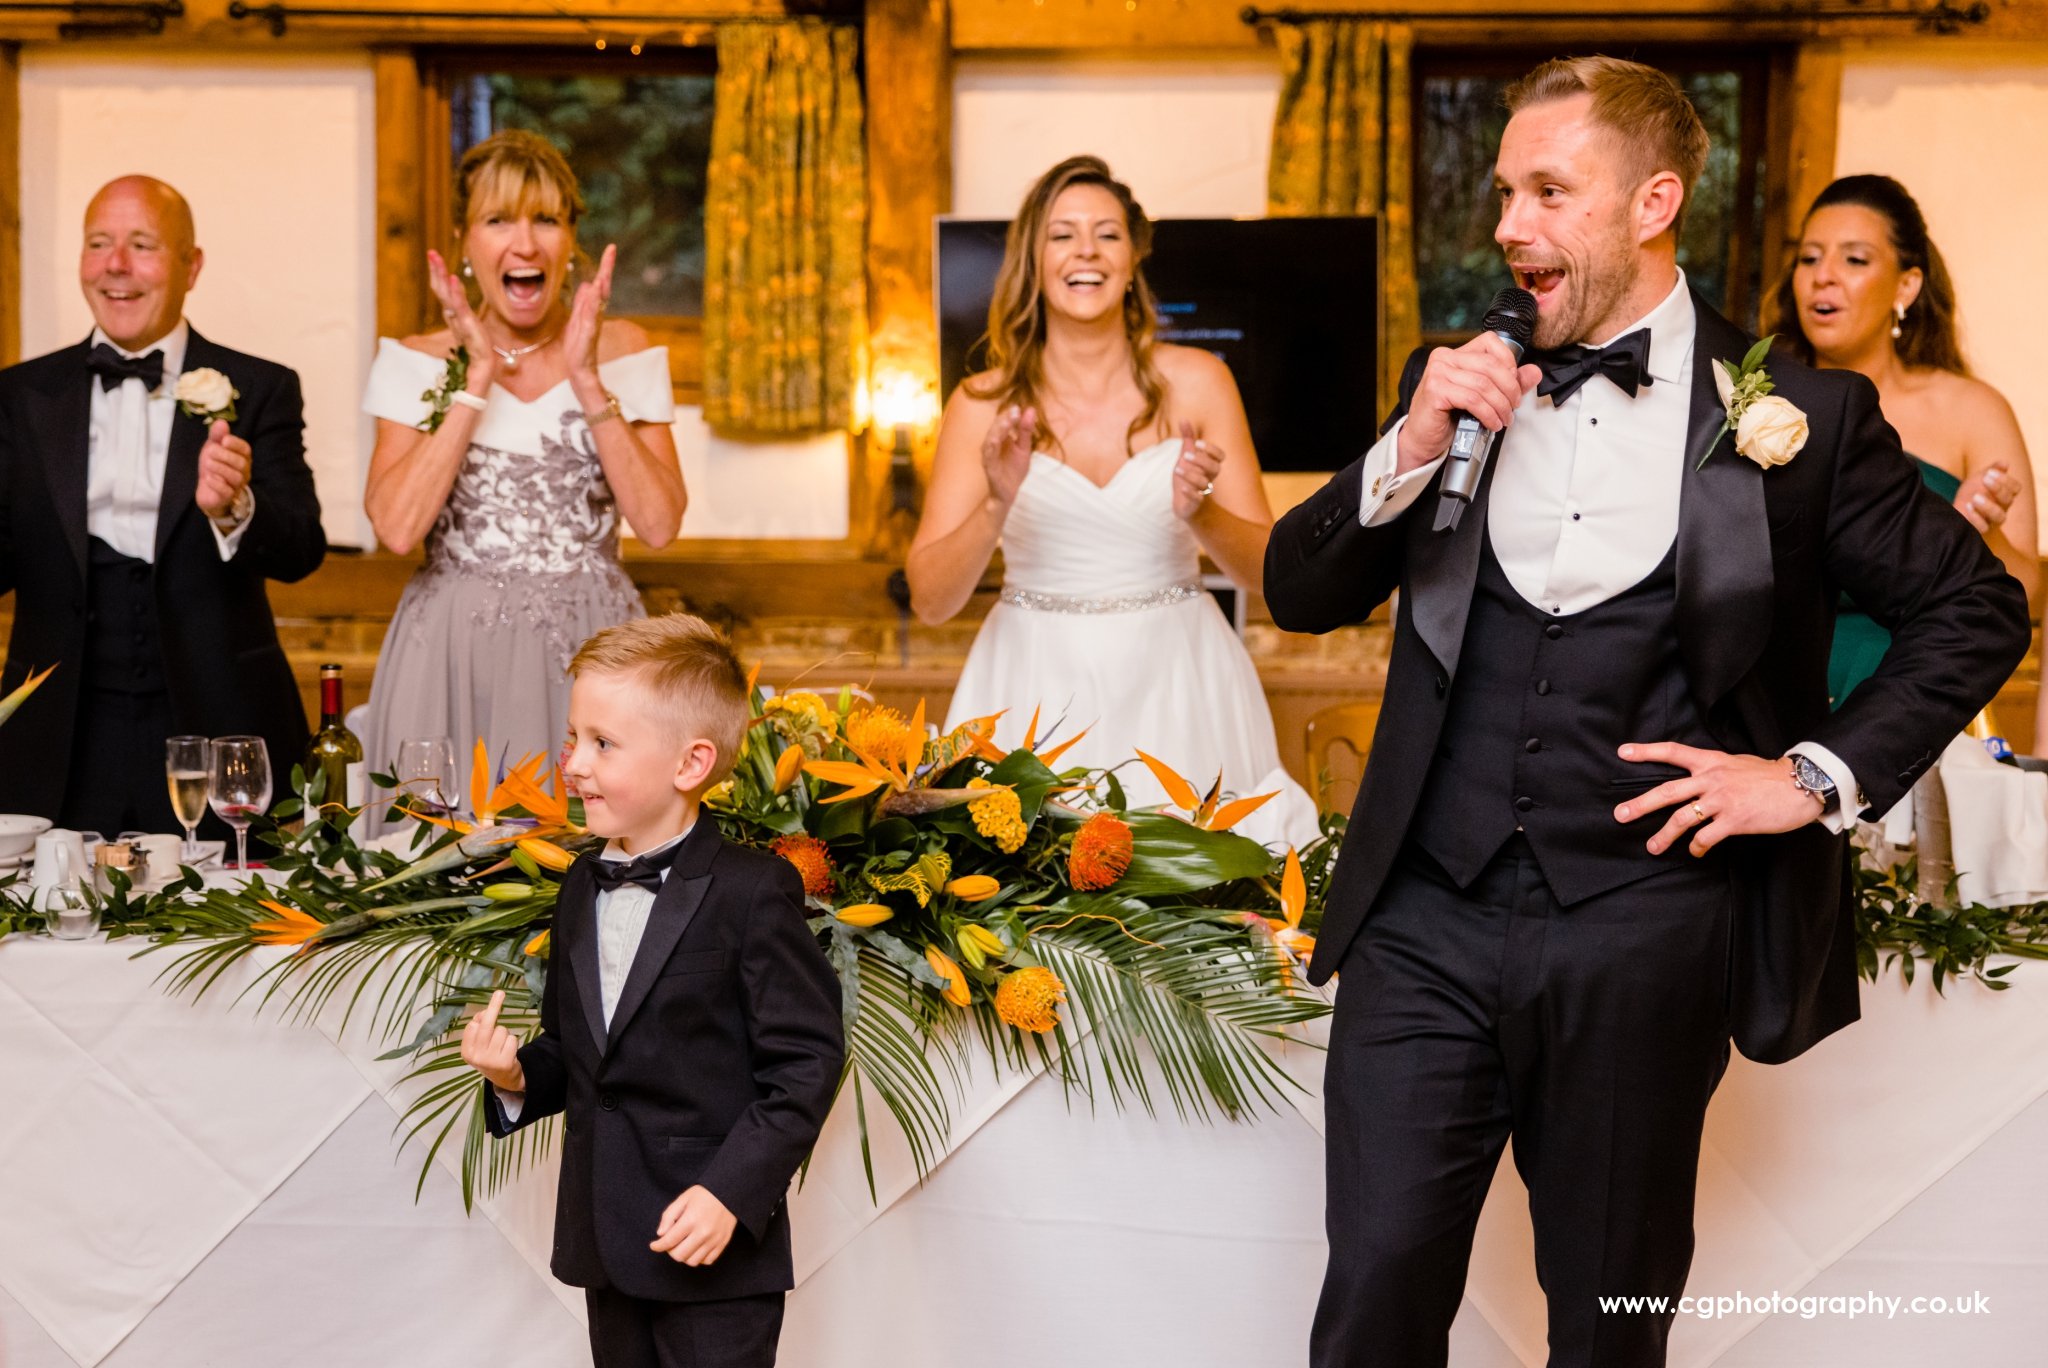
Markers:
(188, 1185)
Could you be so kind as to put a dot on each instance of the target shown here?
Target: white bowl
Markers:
(18, 833)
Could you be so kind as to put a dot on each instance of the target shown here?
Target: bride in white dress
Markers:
(1104, 463)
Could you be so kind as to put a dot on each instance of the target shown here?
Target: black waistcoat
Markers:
(123, 650)
(1540, 707)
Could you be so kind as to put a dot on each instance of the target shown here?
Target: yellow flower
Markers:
(979, 944)
(886, 737)
(537, 946)
(974, 887)
(956, 991)
(1029, 999)
(787, 767)
(1000, 817)
(1101, 853)
(864, 914)
(547, 853)
(803, 709)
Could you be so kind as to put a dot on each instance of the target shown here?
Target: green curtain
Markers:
(785, 227)
(1343, 144)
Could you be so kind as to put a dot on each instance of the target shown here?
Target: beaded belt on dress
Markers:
(1118, 603)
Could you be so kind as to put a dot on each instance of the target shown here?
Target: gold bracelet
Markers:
(605, 414)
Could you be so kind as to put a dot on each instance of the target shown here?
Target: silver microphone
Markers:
(1512, 318)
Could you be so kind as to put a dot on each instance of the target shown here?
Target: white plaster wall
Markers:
(1965, 129)
(1190, 135)
(277, 158)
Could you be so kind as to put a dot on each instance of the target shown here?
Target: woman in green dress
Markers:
(1868, 292)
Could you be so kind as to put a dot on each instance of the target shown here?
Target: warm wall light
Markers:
(904, 400)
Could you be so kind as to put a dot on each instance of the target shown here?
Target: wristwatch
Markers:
(1810, 778)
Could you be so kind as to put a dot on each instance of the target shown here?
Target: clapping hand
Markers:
(462, 321)
(223, 471)
(1986, 497)
(695, 1229)
(586, 317)
(492, 1050)
(1006, 452)
(1194, 474)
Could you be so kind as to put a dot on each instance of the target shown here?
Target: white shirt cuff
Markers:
(1849, 804)
(511, 1104)
(1386, 496)
(245, 513)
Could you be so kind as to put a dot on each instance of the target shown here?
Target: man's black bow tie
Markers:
(1625, 361)
(112, 367)
(644, 870)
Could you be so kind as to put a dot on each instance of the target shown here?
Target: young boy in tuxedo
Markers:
(690, 1023)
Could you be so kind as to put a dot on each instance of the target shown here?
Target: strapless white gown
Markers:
(1103, 624)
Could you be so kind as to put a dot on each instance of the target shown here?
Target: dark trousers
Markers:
(117, 781)
(632, 1332)
(1594, 1034)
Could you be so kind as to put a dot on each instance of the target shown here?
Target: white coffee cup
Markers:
(63, 859)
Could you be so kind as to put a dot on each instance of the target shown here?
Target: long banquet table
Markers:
(191, 1184)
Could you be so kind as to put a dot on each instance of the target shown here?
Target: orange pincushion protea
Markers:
(1029, 999)
(811, 859)
(885, 736)
(1101, 853)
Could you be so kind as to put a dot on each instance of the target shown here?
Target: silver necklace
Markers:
(511, 358)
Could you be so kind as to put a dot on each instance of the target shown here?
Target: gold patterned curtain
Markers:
(785, 226)
(1342, 144)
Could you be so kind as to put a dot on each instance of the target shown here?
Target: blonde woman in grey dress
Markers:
(560, 427)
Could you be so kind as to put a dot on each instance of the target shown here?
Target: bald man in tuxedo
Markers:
(136, 534)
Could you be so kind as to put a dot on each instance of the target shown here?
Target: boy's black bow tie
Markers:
(1625, 361)
(112, 367)
(644, 870)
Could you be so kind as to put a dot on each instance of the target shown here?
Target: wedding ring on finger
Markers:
(1206, 490)
(1699, 814)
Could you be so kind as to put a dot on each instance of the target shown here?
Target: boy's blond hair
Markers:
(689, 669)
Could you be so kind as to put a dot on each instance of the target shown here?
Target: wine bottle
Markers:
(334, 750)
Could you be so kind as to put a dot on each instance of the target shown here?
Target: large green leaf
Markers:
(1170, 856)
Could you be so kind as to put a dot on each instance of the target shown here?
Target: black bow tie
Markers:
(112, 367)
(644, 870)
(1625, 361)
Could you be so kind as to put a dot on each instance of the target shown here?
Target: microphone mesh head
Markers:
(1513, 312)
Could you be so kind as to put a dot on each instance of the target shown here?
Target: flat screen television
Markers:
(1291, 304)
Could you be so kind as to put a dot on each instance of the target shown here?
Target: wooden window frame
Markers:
(1761, 179)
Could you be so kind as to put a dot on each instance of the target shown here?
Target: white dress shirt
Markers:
(129, 447)
(1585, 495)
(621, 922)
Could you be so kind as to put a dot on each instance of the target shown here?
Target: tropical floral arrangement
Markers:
(969, 900)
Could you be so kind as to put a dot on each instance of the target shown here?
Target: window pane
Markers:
(1458, 265)
(639, 145)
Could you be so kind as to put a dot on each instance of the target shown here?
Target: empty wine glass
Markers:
(188, 766)
(240, 787)
(426, 773)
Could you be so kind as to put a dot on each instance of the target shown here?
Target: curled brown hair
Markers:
(1014, 345)
(692, 677)
(1927, 334)
(1653, 123)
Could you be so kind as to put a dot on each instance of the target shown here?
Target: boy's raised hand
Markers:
(695, 1229)
(492, 1050)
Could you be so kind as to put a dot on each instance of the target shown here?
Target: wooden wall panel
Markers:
(402, 241)
(1805, 108)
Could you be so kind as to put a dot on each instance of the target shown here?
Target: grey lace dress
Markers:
(522, 566)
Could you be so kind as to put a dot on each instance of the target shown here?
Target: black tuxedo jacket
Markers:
(225, 670)
(1763, 558)
(721, 1062)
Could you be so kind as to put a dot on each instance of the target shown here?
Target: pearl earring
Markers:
(1899, 324)
(468, 271)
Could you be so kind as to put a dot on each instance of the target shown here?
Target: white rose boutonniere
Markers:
(206, 394)
(1769, 430)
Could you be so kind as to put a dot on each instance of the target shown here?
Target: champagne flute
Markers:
(240, 787)
(188, 764)
(426, 773)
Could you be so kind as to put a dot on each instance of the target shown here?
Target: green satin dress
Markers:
(1859, 642)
